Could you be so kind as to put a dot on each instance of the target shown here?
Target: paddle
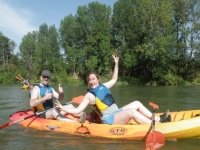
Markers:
(74, 100)
(78, 99)
(155, 139)
(18, 78)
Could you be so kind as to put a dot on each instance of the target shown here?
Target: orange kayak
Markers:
(185, 124)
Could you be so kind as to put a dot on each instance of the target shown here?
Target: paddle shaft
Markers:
(38, 113)
(22, 119)
(155, 139)
(154, 106)
(153, 119)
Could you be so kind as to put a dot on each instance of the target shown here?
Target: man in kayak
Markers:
(25, 82)
(41, 98)
(100, 97)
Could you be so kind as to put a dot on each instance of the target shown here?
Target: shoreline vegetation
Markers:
(77, 80)
(121, 81)
(81, 80)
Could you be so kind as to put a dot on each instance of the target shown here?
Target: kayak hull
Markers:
(185, 124)
(27, 87)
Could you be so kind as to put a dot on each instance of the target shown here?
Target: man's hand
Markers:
(60, 89)
(61, 95)
(48, 95)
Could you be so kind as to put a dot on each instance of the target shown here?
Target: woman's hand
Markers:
(58, 105)
(116, 59)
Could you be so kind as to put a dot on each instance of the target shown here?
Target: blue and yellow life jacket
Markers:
(103, 98)
(46, 104)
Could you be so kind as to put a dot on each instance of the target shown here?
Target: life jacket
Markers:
(26, 83)
(103, 98)
(46, 104)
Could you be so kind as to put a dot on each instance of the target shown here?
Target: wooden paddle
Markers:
(155, 139)
(77, 100)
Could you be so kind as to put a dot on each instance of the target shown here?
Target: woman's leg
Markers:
(138, 106)
(123, 117)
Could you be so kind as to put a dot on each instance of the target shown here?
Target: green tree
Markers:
(86, 38)
(68, 40)
(143, 29)
(96, 21)
(28, 51)
(187, 27)
(43, 51)
(8, 68)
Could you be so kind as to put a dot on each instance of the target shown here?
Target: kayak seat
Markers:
(183, 116)
(197, 115)
(178, 116)
(187, 115)
(94, 117)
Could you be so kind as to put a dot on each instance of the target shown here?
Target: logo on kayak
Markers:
(52, 127)
(118, 131)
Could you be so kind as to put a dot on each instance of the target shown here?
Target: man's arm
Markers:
(60, 95)
(35, 100)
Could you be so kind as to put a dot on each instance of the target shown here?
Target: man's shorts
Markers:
(43, 115)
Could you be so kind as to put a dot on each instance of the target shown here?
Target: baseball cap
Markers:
(46, 73)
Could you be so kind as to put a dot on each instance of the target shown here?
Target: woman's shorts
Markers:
(110, 118)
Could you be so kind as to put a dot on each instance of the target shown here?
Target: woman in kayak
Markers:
(99, 96)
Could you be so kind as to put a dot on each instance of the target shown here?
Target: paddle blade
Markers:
(155, 140)
(20, 76)
(78, 99)
(17, 78)
(6, 125)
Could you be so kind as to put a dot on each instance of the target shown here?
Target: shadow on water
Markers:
(13, 99)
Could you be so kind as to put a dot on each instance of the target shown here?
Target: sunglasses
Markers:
(45, 77)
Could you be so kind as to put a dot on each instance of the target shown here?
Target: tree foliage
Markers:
(7, 59)
(156, 40)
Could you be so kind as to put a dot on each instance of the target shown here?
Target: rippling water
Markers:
(13, 98)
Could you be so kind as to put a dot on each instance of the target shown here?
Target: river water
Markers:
(16, 137)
